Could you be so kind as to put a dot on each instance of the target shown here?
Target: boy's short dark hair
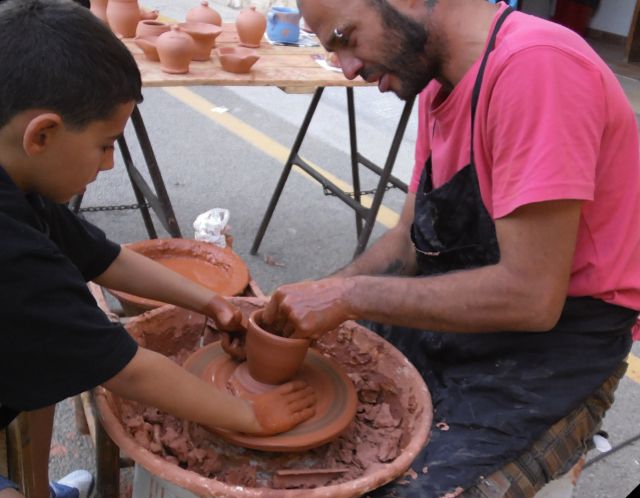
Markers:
(56, 55)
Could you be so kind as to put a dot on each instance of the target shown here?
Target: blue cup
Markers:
(283, 24)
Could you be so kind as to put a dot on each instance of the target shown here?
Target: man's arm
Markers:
(524, 291)
(391, 254)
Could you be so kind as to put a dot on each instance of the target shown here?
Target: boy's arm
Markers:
(153, 379)
(136, 274)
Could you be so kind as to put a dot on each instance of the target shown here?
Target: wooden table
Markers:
(292, 69)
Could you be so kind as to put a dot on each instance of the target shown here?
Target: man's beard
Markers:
(410, 54)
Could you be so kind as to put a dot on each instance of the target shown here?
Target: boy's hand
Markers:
(283, 408)
(229, 321)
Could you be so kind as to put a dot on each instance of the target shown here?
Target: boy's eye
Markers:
(107, 148)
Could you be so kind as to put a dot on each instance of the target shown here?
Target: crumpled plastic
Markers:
(211, 226)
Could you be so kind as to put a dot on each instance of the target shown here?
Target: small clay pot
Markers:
(272, 359)
(251, 25)
(204, 13)
(148, 29)
(237, 59)
(204, 35)
(149, 15)
(148, 46)
(99, 9)
(175, 50)
(123, 17)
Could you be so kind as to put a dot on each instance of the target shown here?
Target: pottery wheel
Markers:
(335, 409)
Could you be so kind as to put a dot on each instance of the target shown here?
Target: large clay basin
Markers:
(217, 268)
(165, 328)
(272, 359)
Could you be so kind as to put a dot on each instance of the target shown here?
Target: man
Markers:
(518, 245)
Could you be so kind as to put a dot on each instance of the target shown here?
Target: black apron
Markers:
(496, 392)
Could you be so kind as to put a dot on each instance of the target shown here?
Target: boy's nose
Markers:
(107, 162)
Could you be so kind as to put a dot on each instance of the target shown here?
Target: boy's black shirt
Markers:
(54, 340)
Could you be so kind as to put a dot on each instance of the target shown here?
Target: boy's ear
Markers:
(40, 131)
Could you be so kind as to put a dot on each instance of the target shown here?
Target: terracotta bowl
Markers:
(237, 59)
(151, 28)
(204, 35)
(272, 359)
(220, 269)
(165, 328)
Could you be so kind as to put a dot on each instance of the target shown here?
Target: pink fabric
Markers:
(552, 123)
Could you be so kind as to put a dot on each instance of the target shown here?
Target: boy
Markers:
(67, 88)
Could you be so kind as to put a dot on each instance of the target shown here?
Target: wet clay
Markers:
(219, 269)
(391, 424)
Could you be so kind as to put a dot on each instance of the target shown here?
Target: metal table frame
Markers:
(365, 216)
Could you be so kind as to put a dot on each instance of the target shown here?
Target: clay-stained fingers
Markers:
(308, 402)
(302, 415)
(233, 344)
(289, 387)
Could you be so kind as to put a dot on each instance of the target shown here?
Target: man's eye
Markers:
(341, 37)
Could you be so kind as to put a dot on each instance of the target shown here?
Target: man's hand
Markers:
(309, 309)
(283, 408)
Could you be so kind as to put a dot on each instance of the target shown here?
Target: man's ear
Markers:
(40, 132)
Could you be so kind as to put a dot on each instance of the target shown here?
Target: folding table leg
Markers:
(355, 167)
(293, 156)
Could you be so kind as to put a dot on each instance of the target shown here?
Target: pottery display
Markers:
(250, 25)
(123, 16)
(149, 15)
(217, 268)
(272, 359)
(175, 49)
(237, 59)
(148, 46)
(283, 25)
(151, 29)
(99, 9)
(369, 361)
(204, 36)
(204, 13)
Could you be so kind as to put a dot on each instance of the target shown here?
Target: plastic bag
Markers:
(211, 226)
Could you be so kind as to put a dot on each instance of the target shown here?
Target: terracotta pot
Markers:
(99, 9)
(272, 359)
(151, 29)
(204, 13)
(237, 59)
(204, 35)
(148, 46)
(123, 17)
(251, 26)
(175, 49)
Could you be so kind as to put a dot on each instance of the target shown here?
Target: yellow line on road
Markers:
(633, 372)
(267, 145)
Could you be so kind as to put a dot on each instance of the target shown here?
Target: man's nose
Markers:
(351, 66)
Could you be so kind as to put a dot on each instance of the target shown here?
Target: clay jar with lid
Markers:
(237, 59)
(175, 50)
(204, 13)
(99, 9)
(251, 25)
(123, 16)
(204, 35)
(272, 359)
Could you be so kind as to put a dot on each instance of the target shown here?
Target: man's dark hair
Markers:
(56, 55)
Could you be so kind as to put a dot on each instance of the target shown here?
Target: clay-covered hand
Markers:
(309, 309)
(283, 408)
(229, 322)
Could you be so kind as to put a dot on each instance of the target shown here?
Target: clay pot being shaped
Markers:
(175, 50)
(99, 9)
(237, 59)
(250, 26)
(204, 13)
(272, 359)
(148, 46)
(151, 29)
(204, 35)
(123, 17)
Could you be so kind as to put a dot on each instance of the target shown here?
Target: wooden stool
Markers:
(15, 453)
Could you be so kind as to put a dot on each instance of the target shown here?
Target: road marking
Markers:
(386, 216)
(633, 372)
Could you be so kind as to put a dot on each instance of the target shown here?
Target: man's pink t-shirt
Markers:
(552, 123)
